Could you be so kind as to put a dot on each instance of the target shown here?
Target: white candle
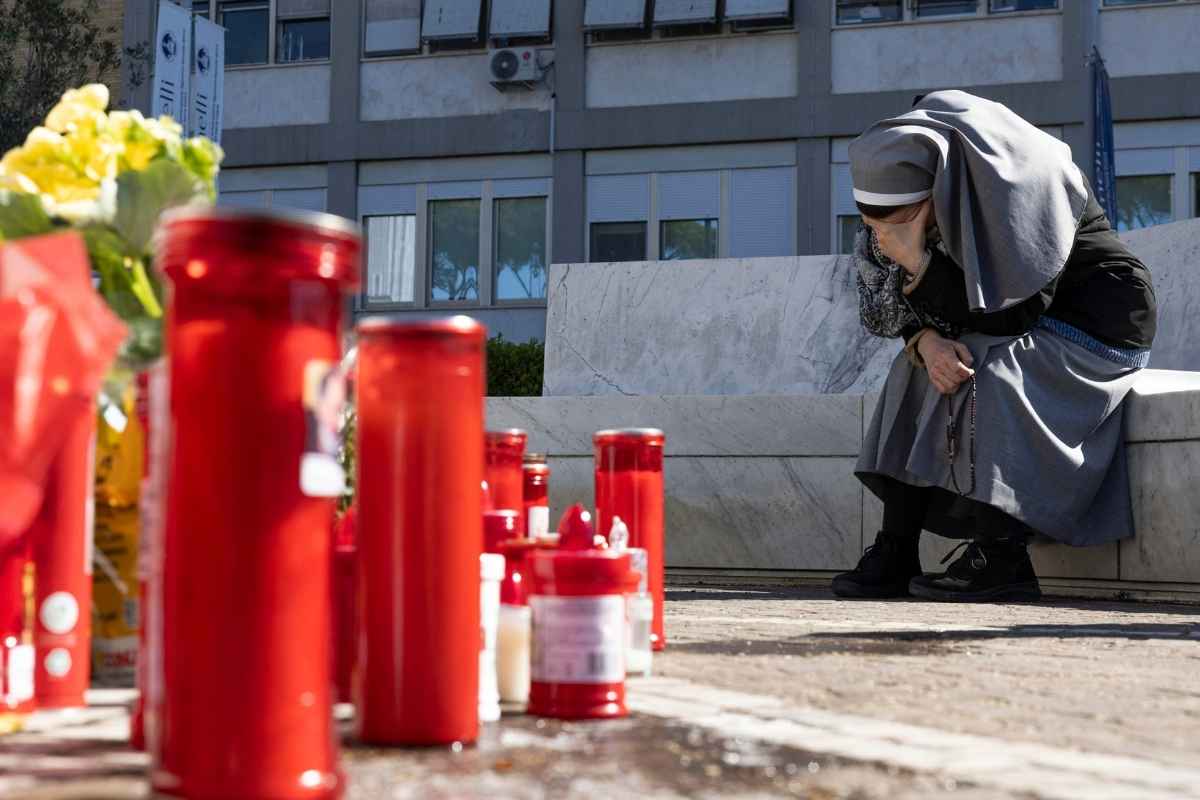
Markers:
(491, 572)
(513, 654)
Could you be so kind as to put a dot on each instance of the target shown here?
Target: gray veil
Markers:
(1007, 197)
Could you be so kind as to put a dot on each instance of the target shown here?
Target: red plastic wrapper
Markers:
(57, 340)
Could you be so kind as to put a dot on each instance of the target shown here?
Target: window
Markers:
(681, 239)
(618, 241)
(520, 19)
(848, 225)
(998, 6)
(301, 29)
(247, 25)
(757, 10)
(1131, 2)
(852, 11)
(391, 259)
(941, 8)
(521, 269)
(1143, 200)
(609, 14)
(392, 26)
(302, 40)
(684, 12)
(454, 250)
(452, 20)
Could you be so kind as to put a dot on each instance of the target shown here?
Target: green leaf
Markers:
(143, 196)
(22, 215)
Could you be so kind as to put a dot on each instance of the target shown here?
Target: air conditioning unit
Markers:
(514, 66)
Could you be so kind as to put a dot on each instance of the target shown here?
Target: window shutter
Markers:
(519, 18)
(292, 9)
(745, 10)
(762, 210)
(684, 12)
(618, 198)
(451, 19)
(614, 14)
(393, 26)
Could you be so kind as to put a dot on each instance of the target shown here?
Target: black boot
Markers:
(884, 570)
(988, 570)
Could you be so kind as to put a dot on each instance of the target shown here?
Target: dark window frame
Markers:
(520, 302)
(431, 250)
(280, 23)
(715, 233)
(364, 303)
(591, 233)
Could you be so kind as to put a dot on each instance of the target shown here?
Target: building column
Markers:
(814, 208)
(570, 64)
(1080, 30)
(345, 27)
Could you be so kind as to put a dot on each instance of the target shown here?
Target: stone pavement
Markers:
(768, 693)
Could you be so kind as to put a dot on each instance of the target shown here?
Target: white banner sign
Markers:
(172, 63)
(208, 80)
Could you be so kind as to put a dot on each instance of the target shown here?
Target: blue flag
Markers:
(1105, 183)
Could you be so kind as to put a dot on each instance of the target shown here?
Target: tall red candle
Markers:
(420, 529)
(504, 455)
(629, 485)
(61, 536)
(345, 595)
(242, 678)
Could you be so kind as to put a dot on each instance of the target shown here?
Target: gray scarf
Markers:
(882, 305)
(1007, 197)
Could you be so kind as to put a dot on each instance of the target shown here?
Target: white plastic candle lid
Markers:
(491, 567)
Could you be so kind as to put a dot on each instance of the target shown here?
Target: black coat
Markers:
(1104, 290)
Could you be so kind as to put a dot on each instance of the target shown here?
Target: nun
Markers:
(1024, 320)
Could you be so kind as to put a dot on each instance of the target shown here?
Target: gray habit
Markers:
(1049, 440)
(1007, 197)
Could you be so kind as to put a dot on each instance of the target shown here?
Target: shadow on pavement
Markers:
(680, 593)
(1088, 631)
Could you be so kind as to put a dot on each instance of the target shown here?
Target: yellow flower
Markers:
(62, 172)
(142, 140)
(80, 109)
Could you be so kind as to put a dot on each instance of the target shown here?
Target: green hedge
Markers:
(515, 370)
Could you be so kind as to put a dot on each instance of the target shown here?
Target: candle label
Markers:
(324, 397)
(578, 639)
(539, 521)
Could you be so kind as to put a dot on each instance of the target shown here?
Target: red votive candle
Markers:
(504, 453)
(577, 666)
(535, 496)
(420, 530)
(241, 676)
(499, 526)
(629, 485)
(61, 537)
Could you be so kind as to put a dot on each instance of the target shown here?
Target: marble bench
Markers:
(760, 487)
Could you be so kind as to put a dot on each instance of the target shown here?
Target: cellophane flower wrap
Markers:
(110, 175)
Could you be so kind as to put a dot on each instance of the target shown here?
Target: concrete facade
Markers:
(804, 87)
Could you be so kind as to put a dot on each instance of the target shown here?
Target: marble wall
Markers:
(766, 482)
(775, 325)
